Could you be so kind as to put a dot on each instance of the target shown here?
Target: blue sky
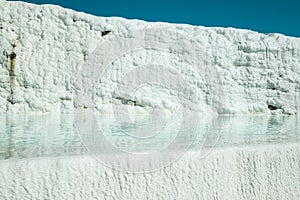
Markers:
(266, 16)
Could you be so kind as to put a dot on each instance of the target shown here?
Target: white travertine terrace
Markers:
(258, 73)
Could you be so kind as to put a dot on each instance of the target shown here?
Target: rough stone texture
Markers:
(259, 73)
(263, 172)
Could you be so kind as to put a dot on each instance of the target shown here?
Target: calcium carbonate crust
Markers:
(263, 172)
(258, 73)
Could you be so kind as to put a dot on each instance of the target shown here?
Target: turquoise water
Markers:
(31, 136)
(25, 136)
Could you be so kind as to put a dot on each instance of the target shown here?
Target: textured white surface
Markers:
(263, 172)
(255, 70)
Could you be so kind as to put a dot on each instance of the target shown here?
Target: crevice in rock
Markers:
(271, 107)
(1, 28)
(12, 74)
(128, 101)
(104, 33)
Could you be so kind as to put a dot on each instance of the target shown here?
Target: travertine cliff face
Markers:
(44, 47)
(54, 60)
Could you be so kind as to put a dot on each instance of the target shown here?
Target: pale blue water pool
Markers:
(31, 136)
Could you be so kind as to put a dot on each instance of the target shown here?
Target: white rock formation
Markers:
(258, 73)
(265, 172)
(42, 51)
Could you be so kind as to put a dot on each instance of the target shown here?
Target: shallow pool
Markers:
(29, 136)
